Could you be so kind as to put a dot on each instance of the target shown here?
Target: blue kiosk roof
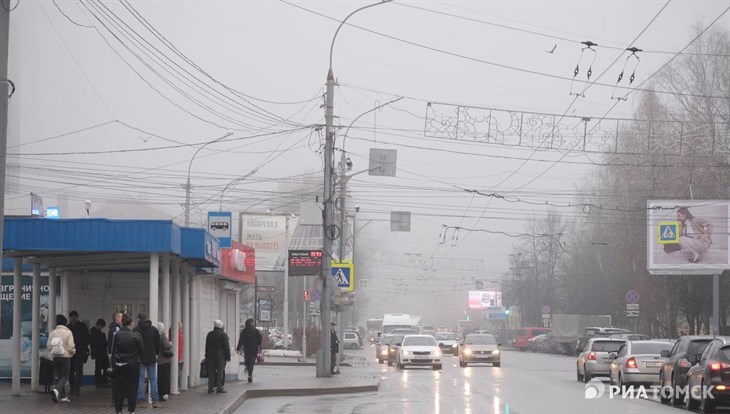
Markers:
(32, 236)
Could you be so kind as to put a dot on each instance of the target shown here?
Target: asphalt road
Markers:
(525, 383)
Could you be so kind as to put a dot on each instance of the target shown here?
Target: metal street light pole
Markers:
(323, 361)
(234, 181)
(187, 184)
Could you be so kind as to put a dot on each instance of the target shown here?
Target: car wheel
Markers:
(706, 405)
(522, 349)
(586, 375)
(677, 396)
(456, 352)
(577, 374)
(689, 402)
(401, 366)
(497, 364)
(619, 381)
(462, 364)
(437, 367)
(354, 347)
(390, 362)
(662, 398)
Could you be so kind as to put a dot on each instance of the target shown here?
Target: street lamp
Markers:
(190, 165)
(323, 362)
(236, 181)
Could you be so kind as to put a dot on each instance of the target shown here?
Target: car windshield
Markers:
(698, 347)
(606, 346)
(419, 341)
(397, 339)
(445, 336)
(386, 340)
(649, 348)
(480, 340)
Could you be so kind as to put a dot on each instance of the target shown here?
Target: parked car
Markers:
(381, 348)
(351, 340)
(712, 369)
(393, 346)
(447, 342)
(630, 337)
(675, 368)
(536, 343)
(479, 348)
(594, 361)
(523, 335)
(638, 362)
(419, 350)
(596, 332)
(360, 341)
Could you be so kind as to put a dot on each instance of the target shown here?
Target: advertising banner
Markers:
(485, 299)
(238, 263)
(687, 236)
(267, 235)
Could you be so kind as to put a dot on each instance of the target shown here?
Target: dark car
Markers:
(712, 370)
(674, 370)
(395, 343)
(381, 348)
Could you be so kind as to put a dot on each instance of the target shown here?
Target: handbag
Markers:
(203, 369)
(260, 356)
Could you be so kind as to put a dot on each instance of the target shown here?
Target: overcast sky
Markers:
(96, 116)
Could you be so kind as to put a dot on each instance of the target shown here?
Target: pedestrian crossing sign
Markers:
(343, 273)
(668, 232)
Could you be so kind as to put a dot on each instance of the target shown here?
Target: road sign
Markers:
(315, 295)
(265, 306)
(632, 313)
(632, 306)
(382, 162)
(668, 232)
(400, 221)
(546, 316)
(546, 309)
(220, 225)
(268, 289)
(632, 296)
(343, 273)
(363, 283)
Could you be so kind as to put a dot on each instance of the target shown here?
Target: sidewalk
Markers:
(269, 381)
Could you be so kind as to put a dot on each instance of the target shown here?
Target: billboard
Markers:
(485, 299)
(305, 262)
(267, 235)
(238, 262)
(688, 236)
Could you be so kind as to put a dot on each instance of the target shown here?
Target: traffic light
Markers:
(306, 296)
(468, 316)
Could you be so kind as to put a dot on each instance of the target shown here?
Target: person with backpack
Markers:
(249, 343)
(151, 341)
(127, 349)
(97, 343)
(81, 338)
(61, 348)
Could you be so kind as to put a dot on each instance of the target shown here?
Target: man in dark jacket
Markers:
(249, 342)
(151, 340)
(217, 352)
(127, 350)
(81, 338)
(334, 347)
(97, 343)
(114, 326)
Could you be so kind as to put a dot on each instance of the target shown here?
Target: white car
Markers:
(419, 350)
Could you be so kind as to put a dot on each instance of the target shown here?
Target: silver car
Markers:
(638, 362)
(594, 361)
(479, 348)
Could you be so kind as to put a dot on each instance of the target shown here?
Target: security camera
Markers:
(357, 209)
(87, 206)
(348, 163)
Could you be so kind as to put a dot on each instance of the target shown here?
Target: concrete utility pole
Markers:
(4, 98)
(329, 229)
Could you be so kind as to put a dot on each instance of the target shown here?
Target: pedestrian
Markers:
(217, 352)
(61, 347)
(334, 347)
(180, 349)
(81, 338)
(127, 349)
(151, 341)
(164, 364)
(98, 345)
(249, 343)
(114, 326)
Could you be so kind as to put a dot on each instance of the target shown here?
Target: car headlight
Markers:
(438, 353)
(495, 352)
(384, 352)
(406, 352)
(467, 351)
(454, 345)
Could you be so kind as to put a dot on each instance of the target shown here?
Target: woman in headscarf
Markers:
(164, 364)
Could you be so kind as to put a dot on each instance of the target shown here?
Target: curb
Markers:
(298, 392)
(294, 364)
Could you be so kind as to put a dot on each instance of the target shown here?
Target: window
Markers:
(724, 353)
(648, 348)
(419, 341)
(697, 347)
(623, 351)
(678, 348)
(445, 336)
(606, 346)
(480, 340)
(386, 340)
